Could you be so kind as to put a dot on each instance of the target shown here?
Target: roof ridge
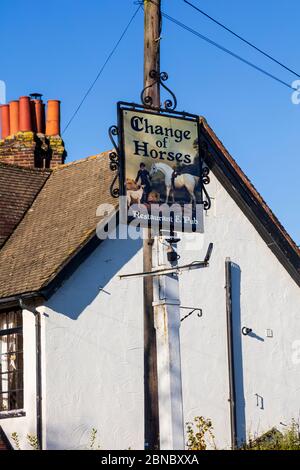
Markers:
(24, 168)
(81, 160)
(250, 185)
(59, 167)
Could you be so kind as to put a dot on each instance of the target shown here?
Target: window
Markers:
(11, 360)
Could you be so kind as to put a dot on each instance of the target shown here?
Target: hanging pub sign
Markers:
(161, 172)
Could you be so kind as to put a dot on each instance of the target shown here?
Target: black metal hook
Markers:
(199, 310)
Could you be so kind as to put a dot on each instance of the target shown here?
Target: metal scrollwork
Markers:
(207, 200)
(114, 163)
(205, 179)
(169, 104)
(112, 132)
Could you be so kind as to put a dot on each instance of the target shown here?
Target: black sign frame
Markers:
(117, 157)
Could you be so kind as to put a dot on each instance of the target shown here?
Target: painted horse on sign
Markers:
(185, 180)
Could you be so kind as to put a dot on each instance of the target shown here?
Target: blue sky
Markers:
(58, 47)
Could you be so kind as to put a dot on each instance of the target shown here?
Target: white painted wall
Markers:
(94, 339)
(269, 300)
(94, 353)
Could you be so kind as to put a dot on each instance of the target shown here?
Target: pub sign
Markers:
(160, 167)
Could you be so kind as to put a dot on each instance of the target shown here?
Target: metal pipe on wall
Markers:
(230, 354)
(38, 375)
(39, 423)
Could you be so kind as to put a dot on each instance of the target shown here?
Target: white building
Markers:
(87, 369)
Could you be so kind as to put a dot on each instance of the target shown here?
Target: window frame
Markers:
(18, 351)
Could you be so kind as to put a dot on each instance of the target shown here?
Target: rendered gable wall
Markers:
(93, 351)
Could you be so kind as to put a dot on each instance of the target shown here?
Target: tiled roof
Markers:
(18, 188)
(60, 221)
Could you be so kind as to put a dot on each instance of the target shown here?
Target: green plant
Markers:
(93, 439)
(33, 441)
(31, 438)
(275, 440)
(15, 438)
(197, 433)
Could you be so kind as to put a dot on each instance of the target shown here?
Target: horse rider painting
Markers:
(144, 175)
(192, 169)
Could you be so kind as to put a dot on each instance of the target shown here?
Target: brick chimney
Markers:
(28, 138)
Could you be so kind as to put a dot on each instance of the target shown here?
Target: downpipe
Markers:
(230, 355)
(38, 375)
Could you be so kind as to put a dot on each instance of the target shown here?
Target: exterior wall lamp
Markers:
(246, 331)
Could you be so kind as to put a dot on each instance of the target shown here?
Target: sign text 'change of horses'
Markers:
(162, 169)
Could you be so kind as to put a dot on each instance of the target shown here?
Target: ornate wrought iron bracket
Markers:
(169, 104)
(205, 178)
(114, 161)
(198, 310)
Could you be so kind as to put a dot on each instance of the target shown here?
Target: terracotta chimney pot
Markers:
(43, 118)
(25, 114)
(14, 117)
(53, 118)
(5, 121)
(33, 116)
(39, 110)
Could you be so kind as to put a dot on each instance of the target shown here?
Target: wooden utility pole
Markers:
(152, 30)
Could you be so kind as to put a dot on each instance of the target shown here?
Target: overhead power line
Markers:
(242, 39)
(224, 49)
(102, 69)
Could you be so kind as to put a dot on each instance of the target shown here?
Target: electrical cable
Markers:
(224, 49)
(101, 70)
(242, 39)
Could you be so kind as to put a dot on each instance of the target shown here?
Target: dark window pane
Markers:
(4, 402)
(3, 322)
(11, 362)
